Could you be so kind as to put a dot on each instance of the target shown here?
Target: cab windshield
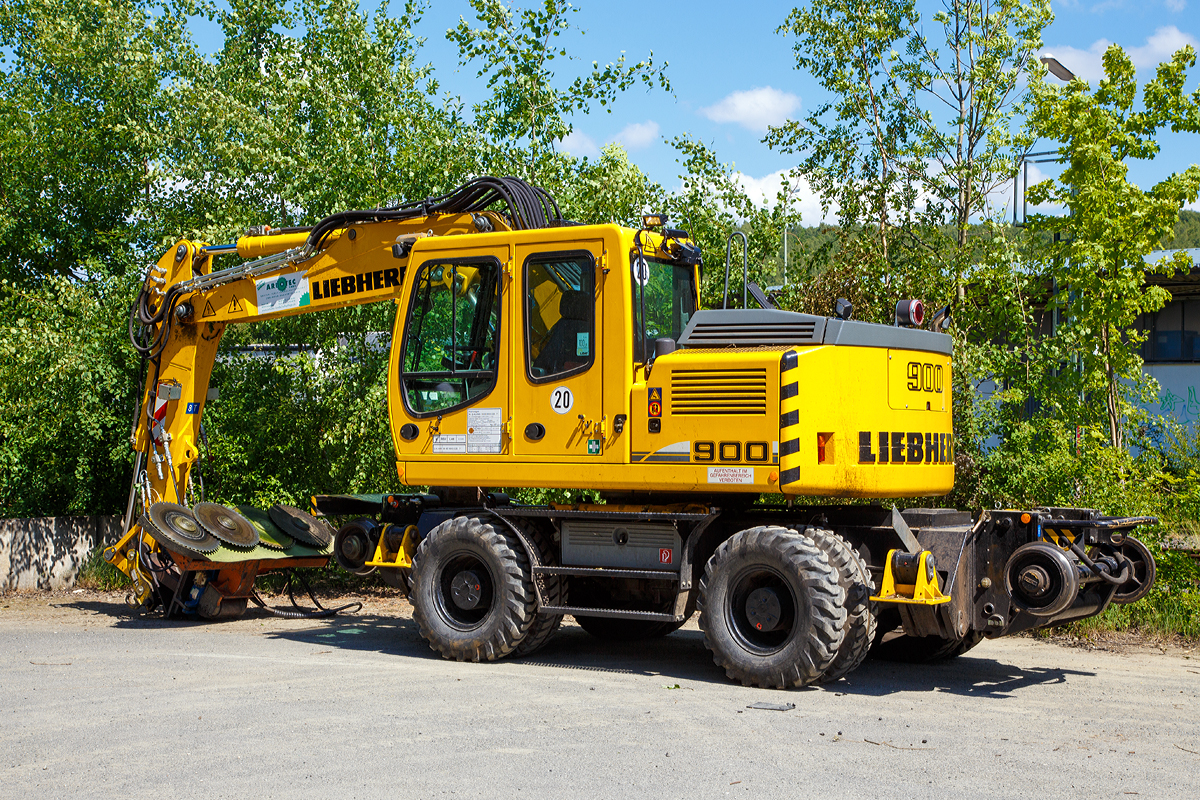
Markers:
(670, 301)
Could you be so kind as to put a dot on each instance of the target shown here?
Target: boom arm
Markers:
(178, 319)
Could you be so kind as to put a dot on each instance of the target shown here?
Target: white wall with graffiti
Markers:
(1178, 391)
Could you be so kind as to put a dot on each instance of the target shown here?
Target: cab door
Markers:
(558, 407)
(452, 367)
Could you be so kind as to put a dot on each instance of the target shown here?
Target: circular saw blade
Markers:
(226, 524)
(269, 534)
(302, 526)
(176, 525)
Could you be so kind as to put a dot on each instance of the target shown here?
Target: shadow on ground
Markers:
(679, 657)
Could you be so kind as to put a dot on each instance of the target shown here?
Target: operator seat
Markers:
(560, 352)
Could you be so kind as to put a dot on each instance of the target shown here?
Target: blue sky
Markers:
(732, 75)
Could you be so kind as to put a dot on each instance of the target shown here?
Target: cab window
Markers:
(670, 298)
(560, 310)
(449, 357)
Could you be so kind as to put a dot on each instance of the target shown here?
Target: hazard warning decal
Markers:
(654, 401)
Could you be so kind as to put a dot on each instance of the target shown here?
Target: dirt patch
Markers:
(1124, 642)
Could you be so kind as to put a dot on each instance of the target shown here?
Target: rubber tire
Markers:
(513, 608)
(820, 615)
(924, 649)
(544, 625)
(626, 630)
(855, 579)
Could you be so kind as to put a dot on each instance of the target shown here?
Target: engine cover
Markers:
(633, 545)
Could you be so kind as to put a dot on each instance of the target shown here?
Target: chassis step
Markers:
(613, 613)
(604, 572)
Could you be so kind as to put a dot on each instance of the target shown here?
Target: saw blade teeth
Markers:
(269, 534)
(302, 526)
(226, 524)
(173, 524)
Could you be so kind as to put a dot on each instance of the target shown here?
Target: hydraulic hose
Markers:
(1097, 571)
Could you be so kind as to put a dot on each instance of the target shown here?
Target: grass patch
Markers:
(100, 575)
(1161, 615)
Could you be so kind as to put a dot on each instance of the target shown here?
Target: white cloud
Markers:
(802, 200)
(579, 144)
(637, 135)
(1159, 47)
(754, 109)
(1176, 5)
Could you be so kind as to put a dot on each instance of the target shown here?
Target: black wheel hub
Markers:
(761, 610)
(466, 589)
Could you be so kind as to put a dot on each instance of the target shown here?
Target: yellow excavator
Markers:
(530, 351)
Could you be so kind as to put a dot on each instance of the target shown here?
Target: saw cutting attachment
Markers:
(226, 524)
(302, 526)
(269, 534)
(174, 524)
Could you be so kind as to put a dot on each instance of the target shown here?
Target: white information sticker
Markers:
(450, 443)
(282, 292)
(731, 474)
(484, 427)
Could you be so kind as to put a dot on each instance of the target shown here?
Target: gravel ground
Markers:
(97, 701)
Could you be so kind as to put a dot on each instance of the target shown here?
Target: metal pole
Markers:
(786, 198)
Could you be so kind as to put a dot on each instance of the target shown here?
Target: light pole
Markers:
(1057, 69)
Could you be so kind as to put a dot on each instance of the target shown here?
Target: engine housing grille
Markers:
(719, 392)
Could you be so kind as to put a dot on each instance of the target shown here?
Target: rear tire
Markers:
(855, 580)
(544, 625)
(771, 608)
(473, 596)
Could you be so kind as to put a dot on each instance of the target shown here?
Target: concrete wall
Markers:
(48, 552)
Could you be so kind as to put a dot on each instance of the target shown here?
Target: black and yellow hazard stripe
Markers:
(789, 418)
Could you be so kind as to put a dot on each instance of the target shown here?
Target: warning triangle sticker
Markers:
(208, 309)
(234, 306)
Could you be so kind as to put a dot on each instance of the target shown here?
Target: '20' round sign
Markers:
(562, 400)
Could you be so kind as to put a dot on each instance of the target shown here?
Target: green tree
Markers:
(917, 133)
(82, 103)
(66, 396)
(514, 49)
(1098, 263)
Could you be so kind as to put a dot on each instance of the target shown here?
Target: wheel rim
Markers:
(761, 610)
(465, 591)
(1142, 572)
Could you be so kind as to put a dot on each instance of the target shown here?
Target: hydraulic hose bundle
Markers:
(528, 207)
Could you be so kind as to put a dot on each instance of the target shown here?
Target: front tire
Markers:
(473, 597)
(771, 608)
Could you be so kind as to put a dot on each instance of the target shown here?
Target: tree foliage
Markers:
(1097, 256)
(81, 121)
(514, 50)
